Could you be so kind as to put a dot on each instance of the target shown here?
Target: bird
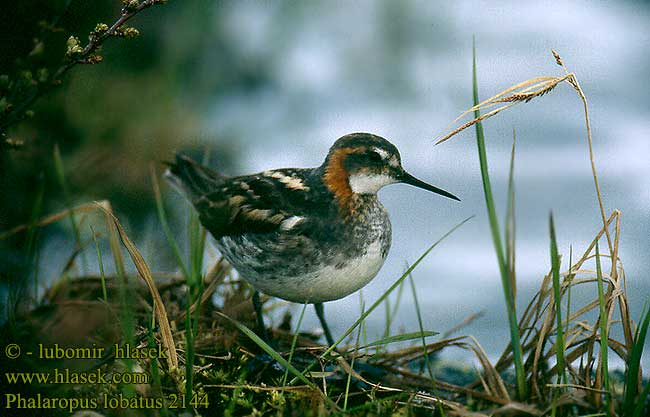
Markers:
(306, 235)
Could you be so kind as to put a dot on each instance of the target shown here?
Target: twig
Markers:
(75, 55)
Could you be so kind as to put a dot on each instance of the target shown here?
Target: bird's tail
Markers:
(191, 178)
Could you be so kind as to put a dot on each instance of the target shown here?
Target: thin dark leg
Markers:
(320, 312)
(257, 305)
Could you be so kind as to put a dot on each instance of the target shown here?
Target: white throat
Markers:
(369, 183)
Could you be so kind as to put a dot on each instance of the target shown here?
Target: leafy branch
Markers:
(27, 89)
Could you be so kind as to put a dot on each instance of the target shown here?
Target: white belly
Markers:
(327, 282)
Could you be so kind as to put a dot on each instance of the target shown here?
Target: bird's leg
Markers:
(257, 305)
(320, 312)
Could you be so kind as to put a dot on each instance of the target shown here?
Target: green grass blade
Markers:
(510, 226)
(32, 248)
(195, 290)
(293, 342)
(364, 327)
(404, 337)
(387, 319)
(197, 246)
(568, 290)
(37, 208)
(604, 338)
(101, 264)
(393, 312)
(356, 344)
(508, 292)
(60, 175)
(557, 295)
(372, 407)
(273, 353)
(421, 326)
(189, 351)
(155, 366)
(162, 217)
(640, 405)
(634, 361)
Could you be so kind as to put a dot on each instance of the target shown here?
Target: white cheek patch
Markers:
(393, 161)
(369, 183)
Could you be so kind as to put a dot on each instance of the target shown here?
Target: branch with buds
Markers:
(75, 54)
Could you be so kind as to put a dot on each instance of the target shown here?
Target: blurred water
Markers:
(403, 71)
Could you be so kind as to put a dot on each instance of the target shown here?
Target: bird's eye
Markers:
(374, 156)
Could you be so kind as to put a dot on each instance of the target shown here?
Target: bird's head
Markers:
(362, 163)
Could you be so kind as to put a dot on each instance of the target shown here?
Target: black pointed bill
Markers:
(410, 179)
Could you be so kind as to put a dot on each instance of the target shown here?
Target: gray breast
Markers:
(299, 268)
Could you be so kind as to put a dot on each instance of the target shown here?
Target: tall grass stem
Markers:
(508, 291)
(557, 298)
(60, 175)
(604, 338)
(101, 264)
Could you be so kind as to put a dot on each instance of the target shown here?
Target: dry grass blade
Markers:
(350, 370)
(466, 322)
(145, 273)
(52, 218)
(409, 354)
(454, 408)
(620, 283)
(495, 389)
(576, 386)
(473, 122)
(214, 277)
(516, 409)
(522, 92)
(542, 336)
(493, 379)
(417, 379)
(259, 388)
(113, 241)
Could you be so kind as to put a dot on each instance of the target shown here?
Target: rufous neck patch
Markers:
(336, 177)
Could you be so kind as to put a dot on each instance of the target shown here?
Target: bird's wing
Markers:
(261, 203)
